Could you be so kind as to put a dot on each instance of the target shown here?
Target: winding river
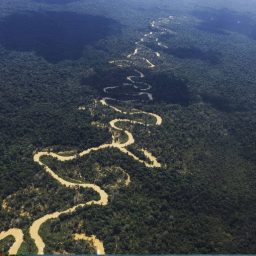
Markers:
(116, 126)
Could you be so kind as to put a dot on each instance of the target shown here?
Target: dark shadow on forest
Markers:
(165, 87)
(167, 37)
(209, 56)
(222, 103)
(115, 77)
(56, 36)
(223, 20)
(169, 89)
(107, 77)
(192, 52)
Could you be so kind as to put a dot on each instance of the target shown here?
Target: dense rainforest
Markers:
(203, 197)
